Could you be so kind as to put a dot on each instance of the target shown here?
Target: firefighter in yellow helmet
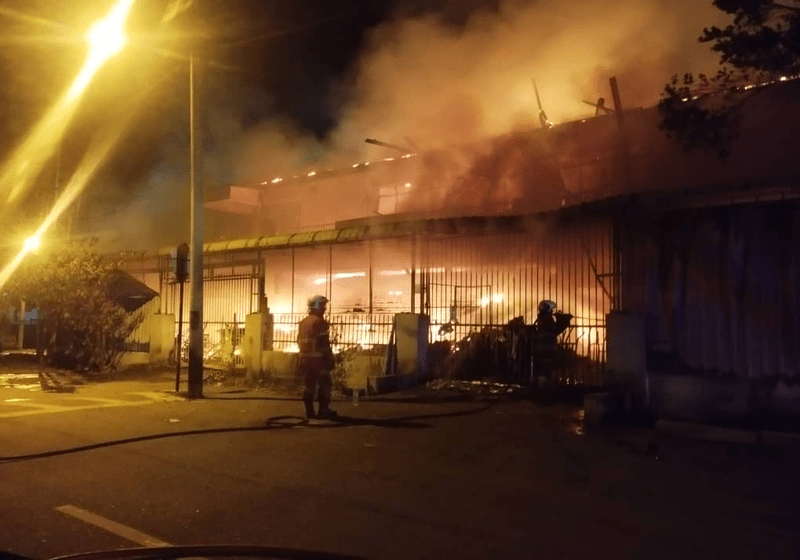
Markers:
(316, 358)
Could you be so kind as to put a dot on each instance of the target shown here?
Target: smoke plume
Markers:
(433, 84)
(438, 84)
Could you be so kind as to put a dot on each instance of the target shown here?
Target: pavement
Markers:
(128, 462)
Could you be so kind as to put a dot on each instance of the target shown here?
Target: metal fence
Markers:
(227, 300)
(464, 282)
(348, 330)
(139, 339)
(469, 283)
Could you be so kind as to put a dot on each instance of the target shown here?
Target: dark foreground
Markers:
(394, 479)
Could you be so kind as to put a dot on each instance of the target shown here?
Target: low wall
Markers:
(280, 365)
(131, 359)
(159, 330)
(723, 401)
(361, 372)
(162, 337)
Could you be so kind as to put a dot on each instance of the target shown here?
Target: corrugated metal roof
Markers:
(477, 224)
(431, 226)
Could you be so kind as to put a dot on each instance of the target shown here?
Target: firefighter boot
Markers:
(309, 404)
(325, 397)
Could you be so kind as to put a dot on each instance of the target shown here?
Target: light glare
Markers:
(32, 243)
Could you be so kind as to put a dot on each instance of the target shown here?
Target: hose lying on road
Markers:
(274, 423)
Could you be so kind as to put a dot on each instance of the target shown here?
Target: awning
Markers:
(129, 292)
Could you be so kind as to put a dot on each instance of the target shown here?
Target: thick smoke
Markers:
(438, 84)
(430, 84)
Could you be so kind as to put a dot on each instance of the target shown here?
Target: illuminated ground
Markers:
(402, 480)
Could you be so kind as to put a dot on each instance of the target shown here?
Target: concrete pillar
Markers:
(162, 337)
(258, 337)
(626, 359)
(411, 339)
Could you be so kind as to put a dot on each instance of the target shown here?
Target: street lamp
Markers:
(32, 243)
(195, 376)
(106, 38)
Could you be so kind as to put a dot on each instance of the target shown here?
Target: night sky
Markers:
(296, 52)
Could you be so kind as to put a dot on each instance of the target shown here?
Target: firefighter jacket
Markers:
(313, 339)
(545, 329)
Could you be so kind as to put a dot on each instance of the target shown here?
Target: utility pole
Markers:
(181, 274)
(196, 254)
(627, 185)
(21, 333)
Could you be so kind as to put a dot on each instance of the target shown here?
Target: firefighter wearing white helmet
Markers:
(316, 358)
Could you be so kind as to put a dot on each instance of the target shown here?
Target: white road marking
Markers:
(156, 396)
(118, 529)
(42, 408)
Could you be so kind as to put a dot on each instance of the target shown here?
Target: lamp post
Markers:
(195, 378)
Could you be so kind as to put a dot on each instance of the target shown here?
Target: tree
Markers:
(80, 326)
(759, 46)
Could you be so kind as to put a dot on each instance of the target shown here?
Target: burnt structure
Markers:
(478, 235)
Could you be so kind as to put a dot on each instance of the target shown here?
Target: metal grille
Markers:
(348, 330)
(227, 300)
(139, 339)
(463, 282)
(469, 283)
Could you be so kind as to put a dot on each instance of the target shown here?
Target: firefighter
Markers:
(545, 345)
(316, 358)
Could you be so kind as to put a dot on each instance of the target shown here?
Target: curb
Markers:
(706, 432)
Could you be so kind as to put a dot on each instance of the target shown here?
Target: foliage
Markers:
(760, 45)
(80, 326)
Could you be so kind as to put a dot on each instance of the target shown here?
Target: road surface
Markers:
(129, 464)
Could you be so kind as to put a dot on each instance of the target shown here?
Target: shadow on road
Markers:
(274, 423)
(222, 396)
(430, 399)
(346, 421)
(342, 422)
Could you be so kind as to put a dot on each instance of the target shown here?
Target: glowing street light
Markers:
(106, 38)
(32, 243)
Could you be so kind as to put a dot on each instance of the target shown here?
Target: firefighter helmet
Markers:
(316, 302)
(547, 306)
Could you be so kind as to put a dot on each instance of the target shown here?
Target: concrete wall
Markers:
(699, 399)
(251, 346)
(162, 337)
(258, 337)
(131, 359)
(280, 365)
(159, 330)
(627, 349)
(411, 337)
(361, 371)
(731, 401)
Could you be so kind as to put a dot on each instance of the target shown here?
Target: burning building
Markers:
(606, 216)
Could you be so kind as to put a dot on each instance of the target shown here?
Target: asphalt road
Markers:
(397, 480)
